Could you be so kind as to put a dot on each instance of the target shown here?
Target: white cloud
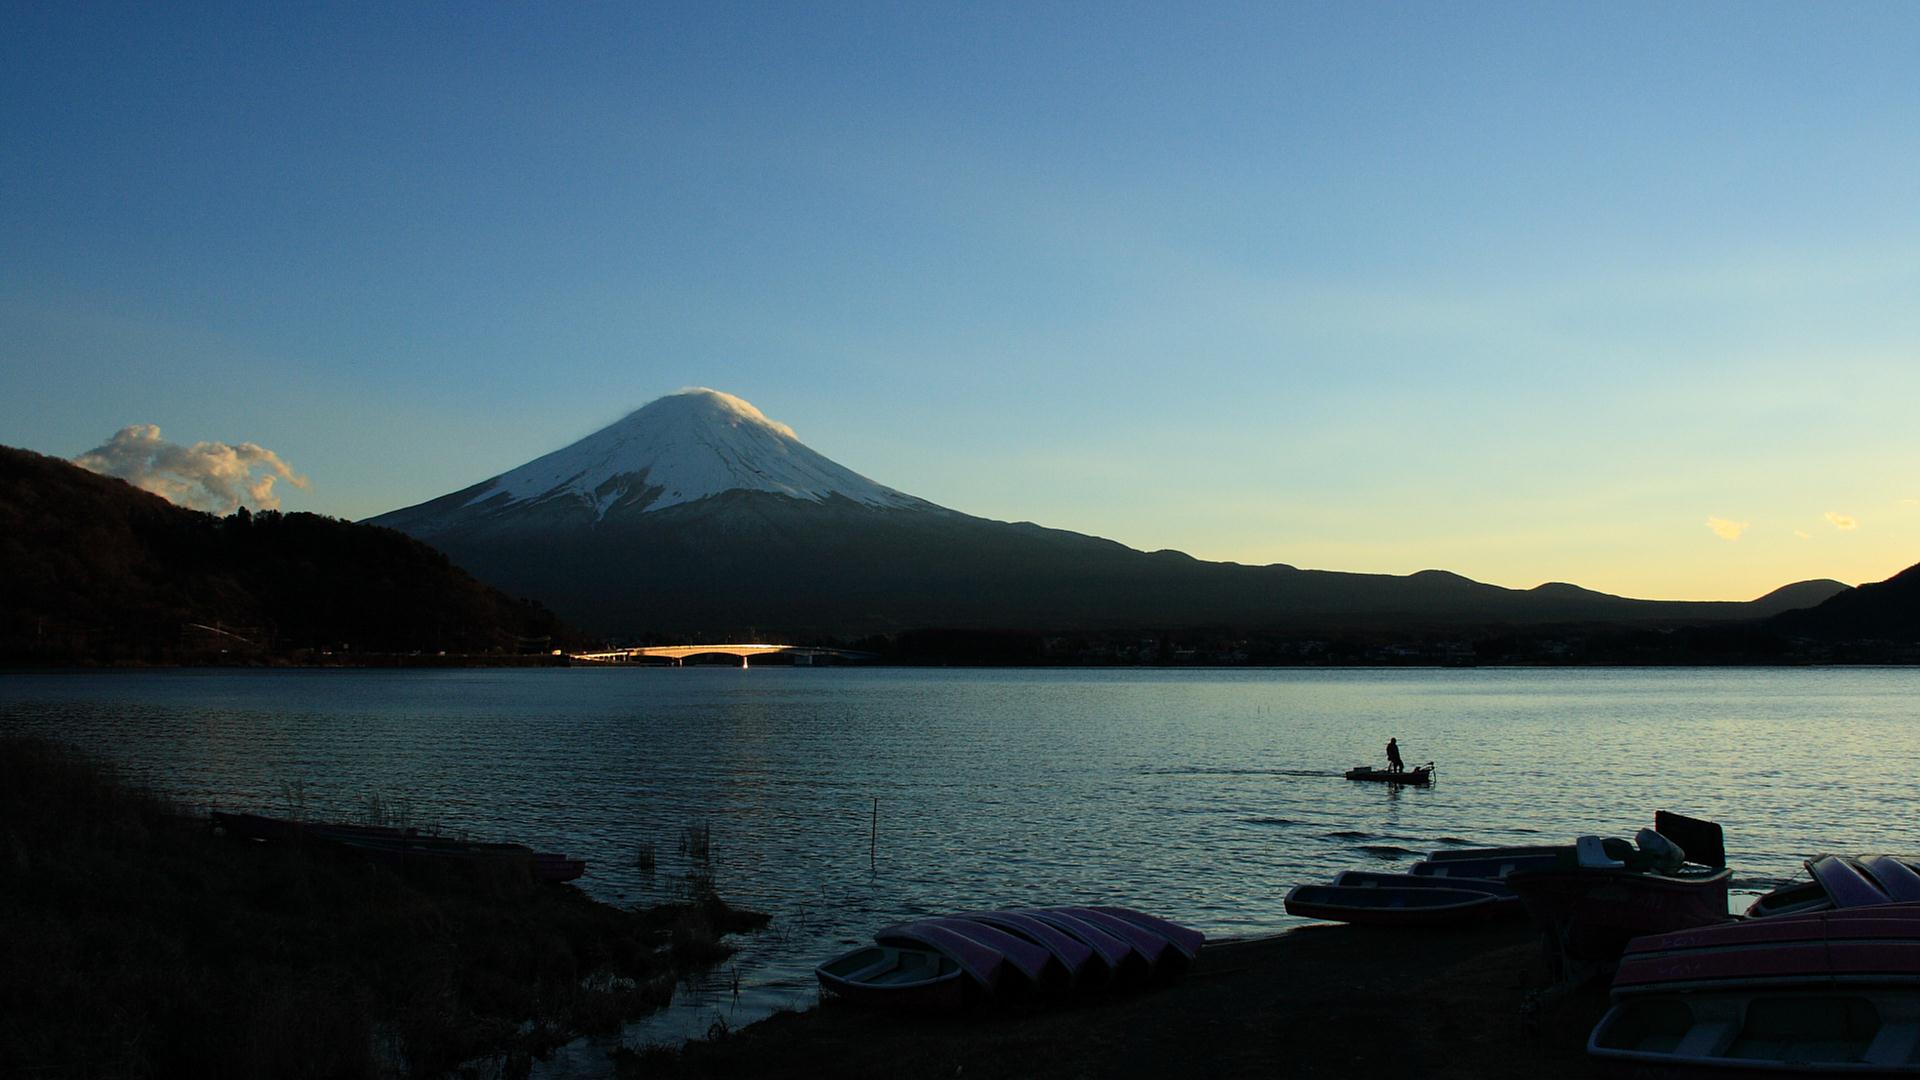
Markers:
(1727, 530)
(1803, 534)
(1841, 521)
(206, 476)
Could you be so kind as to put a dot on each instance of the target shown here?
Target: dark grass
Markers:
(135, 943)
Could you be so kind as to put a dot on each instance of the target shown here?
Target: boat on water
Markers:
(1420, 776)
(397, 845)
(1008, 955)
(1835, 992)
(1374, 905)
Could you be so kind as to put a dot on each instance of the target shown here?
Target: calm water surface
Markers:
(1201, 795)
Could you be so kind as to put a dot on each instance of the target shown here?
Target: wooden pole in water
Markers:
(873, 839)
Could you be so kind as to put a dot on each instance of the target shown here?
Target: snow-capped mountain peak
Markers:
(681, 448)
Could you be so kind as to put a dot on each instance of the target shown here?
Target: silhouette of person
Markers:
(1393, 755)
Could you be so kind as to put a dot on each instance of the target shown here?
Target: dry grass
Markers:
(134, 943)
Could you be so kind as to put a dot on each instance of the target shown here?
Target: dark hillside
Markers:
(1884, 611)
(93, 570)
(754, 563)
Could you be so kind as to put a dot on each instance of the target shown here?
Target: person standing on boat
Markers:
(1393, 756)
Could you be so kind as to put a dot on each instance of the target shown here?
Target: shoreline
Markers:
(135, 941)
(1320, 1000)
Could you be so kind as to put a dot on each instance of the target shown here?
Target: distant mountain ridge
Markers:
(1887, 610)
(698, 516)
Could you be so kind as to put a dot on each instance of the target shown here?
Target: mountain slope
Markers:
(624, 532)
(1887, 610)
(677, 450)
(93, 569)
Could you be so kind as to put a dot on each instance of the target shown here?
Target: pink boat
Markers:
(1825, 993)
(1074, 955)
(1840, 882)
(983, 952)
(1122, 960)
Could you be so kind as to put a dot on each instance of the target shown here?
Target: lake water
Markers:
(1199, 795)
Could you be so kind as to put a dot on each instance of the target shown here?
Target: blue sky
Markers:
(1529, 292)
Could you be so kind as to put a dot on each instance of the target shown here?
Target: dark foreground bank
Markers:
(135, 943)
(1320, 1001)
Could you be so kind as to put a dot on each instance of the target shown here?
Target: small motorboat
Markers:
(1605, 892)
(1419, 776)
(1823, 993)
(1007, 955)
(1375, 905)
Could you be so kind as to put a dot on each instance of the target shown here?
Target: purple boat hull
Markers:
(1074, 955)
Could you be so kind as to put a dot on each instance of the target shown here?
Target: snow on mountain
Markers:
(682, 448)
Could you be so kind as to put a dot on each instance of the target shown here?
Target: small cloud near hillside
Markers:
(1841, 521)
(210, 476)
(1727, 530)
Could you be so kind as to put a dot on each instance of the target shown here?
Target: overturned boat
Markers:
(1836, 882)
(1009, 955)
(1825, 993)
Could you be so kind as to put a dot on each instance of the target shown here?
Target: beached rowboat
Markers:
(1377, 906)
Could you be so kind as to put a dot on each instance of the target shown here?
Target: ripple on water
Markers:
(844, 799)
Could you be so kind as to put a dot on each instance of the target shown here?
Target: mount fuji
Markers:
(696, 515)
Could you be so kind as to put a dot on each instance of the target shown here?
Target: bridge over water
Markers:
(677, 654)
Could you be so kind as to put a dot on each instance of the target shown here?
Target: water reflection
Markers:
(1203, 795)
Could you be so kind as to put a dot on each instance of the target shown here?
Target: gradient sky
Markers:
(1528, 292)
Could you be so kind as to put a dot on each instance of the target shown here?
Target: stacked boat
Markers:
(1821, 978)
(947, 962)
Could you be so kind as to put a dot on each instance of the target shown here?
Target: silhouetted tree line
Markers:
(93, 570)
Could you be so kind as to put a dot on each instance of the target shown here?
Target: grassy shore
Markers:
(135, 943)
(1321, 1001)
